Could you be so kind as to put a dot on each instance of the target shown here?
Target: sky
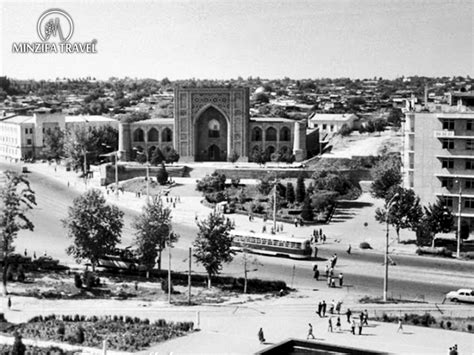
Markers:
(223, 39)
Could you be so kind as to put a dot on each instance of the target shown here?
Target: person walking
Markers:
(9, 303)
(353, 327)
(320, 306)
(400, 325)
(330, 324)
(338, 324)
(334, 261)
(261, 337)
(323, 308)
(341, 279)
(333, 305)
(310, 332)
(366, 317)
(316, 272)
(360, 327)
(348, 315)
(338, 307)
(349, 250)
(326, 270)
(329, 281)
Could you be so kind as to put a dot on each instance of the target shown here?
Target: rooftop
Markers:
(272, 119)
(84, 118)
(19, 119)
(333, 117)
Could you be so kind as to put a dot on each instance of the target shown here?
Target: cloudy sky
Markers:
(218, 39)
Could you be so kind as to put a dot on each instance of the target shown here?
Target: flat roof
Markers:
(156, 120)
(19, 119)
(333, 117)
(85, 118)
(272, 119)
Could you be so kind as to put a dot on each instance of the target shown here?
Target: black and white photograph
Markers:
(236, 177)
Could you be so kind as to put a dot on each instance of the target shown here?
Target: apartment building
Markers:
(438, 158)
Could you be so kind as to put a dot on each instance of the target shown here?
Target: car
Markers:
(461, 295)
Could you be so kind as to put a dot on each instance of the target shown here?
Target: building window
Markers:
(166, 135)
(26, 130)
(138, 135)
(469, 203)
(332, 128)
(325, 126)
(271, 134)
(470, 125)
(448, 144)
(256, 134)
(448, 124)
(446, 182)
(31, 130)
(285, 134)
(214, 128)
(153, 135)
(28, 141)
(469, 164)
(447, 201)
(447, 163)
(469, 184)
(470, 144)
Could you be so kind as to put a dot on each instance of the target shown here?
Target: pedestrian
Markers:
(174, 204)
(250, 218)
(315, 252)
(296, 222)
(400, 325)
(315, 268)
(366, 317)
(341, 279)
(353, 326)
(331, 271)
(326, 270)
(349, 249)
(331, 309)
(330, 324)
(348, 315)
(310, 332)
(26, 253)
(329, 281)
(34, 255)
(360, 328)
(320, 232)
(324, 238)
(281, 227)
(9, 303)
(323, 308)
(314, 232)
(361, 317)
(333, 282)
(68, 184)
(261, 337)
(338, 324)
(320, 306)
(334, 261)
(338, 307)
(264, 229)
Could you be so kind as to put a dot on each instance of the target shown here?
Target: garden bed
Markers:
(121, 332)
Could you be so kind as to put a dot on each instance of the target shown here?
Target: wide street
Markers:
(413, 277)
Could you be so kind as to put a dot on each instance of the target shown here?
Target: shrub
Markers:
(365, 245)
(18, 346)
(77, 281)
(164, 285)
(21, 274)
(61, 330)
(162, 175)
(79, 335)
(10, 273)
(212, 183)
(448, 324)
(89, 280)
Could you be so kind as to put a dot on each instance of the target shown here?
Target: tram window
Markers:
(287, 244)
(292, 245)
(269, 242)
(251, 240)
(275, 242)
(298, 245)
(258, 241)
(264, 241)
(281, 243)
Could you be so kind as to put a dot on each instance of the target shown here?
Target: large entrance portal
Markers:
(211, 136)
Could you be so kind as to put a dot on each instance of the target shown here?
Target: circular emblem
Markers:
(55, 23)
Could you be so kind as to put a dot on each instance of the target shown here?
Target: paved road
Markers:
(363, 271)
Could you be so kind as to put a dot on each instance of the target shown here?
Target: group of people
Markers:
(329, 273)
(317, 236)
(333, 307)
(453, 350)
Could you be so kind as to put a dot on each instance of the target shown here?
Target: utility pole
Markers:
(245, 269)
(116, 175)
(189, 276)
(169, 269)
(147, 180)
(458, 246)
(275, 205)
(85, 166)
(385, 279)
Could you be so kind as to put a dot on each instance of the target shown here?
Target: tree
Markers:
(212, 244)
(94, 226)
(171, 156)
(157, 157)
(266, 184)
(53, 143)
(395, 117)
(258, 156)
(212, 183)
(290, 192)
(437, 219)
(345, 130)
(307, 211)
(262, 98)
(162, 175)
(386, 174)
(405, 211)
(16, 198)
(18, 347)
(153, 233)
(300, 189)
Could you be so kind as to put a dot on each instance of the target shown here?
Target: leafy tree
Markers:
(18, 347)
(16, 198)
(157, 157)
(300, 189)
(171, 156)
(162, 175)
(261, 97)
(465, 229)
(386, 175)
(53, 143)
(212, 244)
(258, 156)
(405, 211)
(94, 226)
(266, 184)
(437, 219)
(395, 117)
(290, 192)
(212, 183)
(332, 180)
(345, 130)
(307, 211)
(134, 117)
(153, 233)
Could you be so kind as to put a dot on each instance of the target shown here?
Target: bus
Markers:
(271, 244)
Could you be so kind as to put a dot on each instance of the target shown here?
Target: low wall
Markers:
(127, 172)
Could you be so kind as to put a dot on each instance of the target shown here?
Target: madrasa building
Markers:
(214, 125)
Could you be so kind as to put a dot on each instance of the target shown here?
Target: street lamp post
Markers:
(116, 170)
(458, 241)
(85, 166)
(385, 279)
(147, 165)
